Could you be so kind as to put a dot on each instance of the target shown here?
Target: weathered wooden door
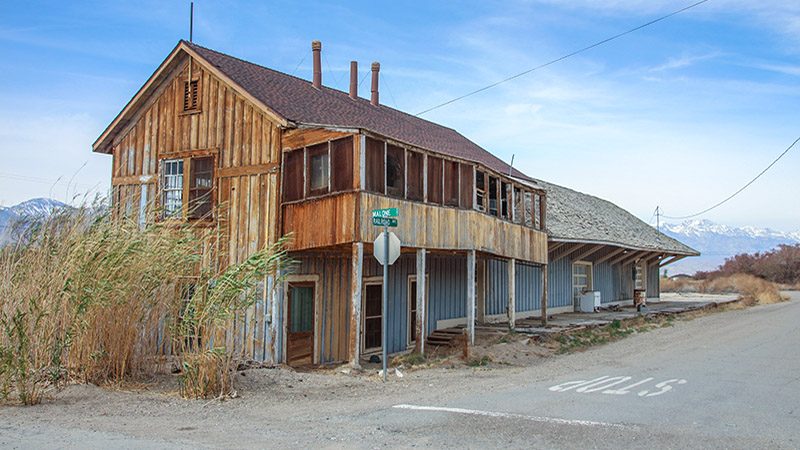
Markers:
(300, 326)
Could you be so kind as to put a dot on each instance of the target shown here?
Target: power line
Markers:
(569, 55)
(740, 190)
(391, 94)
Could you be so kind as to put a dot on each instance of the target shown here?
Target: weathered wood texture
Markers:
(322, 222)
(433, 227)
(303, 137)
(246, 146)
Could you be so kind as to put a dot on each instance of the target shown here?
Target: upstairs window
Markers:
(172, 187)
(395, 171)
(341, 160)
(201, 187)
(375, 166)
(537, 212)
(467, 182)
(505, 193)
(293, 175)
(493, 190)
(191, 96)
(527, 205)
(318, 173)
(414, 176)
(480, 191)
(434, 180)
(517, 210)
(451, 183)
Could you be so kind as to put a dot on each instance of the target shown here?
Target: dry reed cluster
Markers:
(88, 298)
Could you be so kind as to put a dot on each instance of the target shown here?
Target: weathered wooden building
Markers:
(258, 154)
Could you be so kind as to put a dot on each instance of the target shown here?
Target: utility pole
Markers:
(191, 20)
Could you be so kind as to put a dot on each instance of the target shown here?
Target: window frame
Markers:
(366, 282)
(186, 159)
(312, 151)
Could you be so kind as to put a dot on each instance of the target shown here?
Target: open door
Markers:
(300, 325)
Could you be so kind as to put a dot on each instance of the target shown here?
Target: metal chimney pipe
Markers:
(354, 79)
(316, 49)
(376, 67)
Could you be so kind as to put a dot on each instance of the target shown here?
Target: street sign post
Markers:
(386, 249)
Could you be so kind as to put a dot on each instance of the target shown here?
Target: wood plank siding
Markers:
(245, 145)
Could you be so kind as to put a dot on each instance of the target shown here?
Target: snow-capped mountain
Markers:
(717, 241)
(33, 208)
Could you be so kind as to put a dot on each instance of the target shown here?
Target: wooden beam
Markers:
(511, 309)
(554, 247)
(609, 255)
(357, 256)
(588, 252)
(672, 260)
(471, 297)
(544, 295)
(422, 330)
(628, 257)
(654, 257)
(573, 250)
(624, 256)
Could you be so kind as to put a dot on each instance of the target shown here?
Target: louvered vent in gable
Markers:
(190, 96)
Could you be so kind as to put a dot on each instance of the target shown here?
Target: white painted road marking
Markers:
(605, 382)
(476, 412)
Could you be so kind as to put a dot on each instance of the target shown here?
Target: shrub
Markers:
(753, 290)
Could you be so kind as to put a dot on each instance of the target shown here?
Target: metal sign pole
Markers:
(385, 289)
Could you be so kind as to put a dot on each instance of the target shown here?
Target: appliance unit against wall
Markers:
(589, 301)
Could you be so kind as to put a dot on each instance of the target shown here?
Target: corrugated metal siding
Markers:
(653, 281)
(397, 318)
(603, 281)
(559, 283)
(527, 287)
(496, 286)
(447, 294)
(626, 281)
(334, 281)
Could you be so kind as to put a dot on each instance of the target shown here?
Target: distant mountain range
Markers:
(717, 242)
(33, 208)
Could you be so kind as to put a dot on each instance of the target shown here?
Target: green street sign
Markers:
(384, 221)
(386, 212)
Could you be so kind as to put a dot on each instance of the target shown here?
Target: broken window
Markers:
(395, 171)
(467, 181)
(201, 186)
(480, 191)
(434, 180)
(293, 175)
(527, 219)
(375, 166)
(505, 193)
(341, 160)
(414, 166)
(318, 169)
(493, 190)
(537, 211)
(451, 183)
(172, 187)
(517, 198)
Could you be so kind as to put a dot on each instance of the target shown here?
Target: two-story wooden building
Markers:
(258, 154)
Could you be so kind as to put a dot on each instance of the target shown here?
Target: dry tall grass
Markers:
(84, 297)
(753, 290)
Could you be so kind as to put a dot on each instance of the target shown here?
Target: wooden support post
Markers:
(422, 330)
(355, 295)
(471, 297)
(544, 295)
(512, 313)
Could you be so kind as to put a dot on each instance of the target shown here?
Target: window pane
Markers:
(342, 164)
(528, 204)
(493, 196)
(173, 187)
(201, 187)
(518, 199)
(317, 169)
(375, 166)
(480, 191)
(293, 176)
(395, 171)
(537, 212)
(467, 181)
(505, 194)
(415, 178)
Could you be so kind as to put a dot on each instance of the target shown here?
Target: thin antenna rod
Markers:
(191, 20)
(511, 166)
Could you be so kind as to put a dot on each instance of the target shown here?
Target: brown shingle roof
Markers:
(298, 101)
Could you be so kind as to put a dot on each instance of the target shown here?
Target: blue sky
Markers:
(679, 114)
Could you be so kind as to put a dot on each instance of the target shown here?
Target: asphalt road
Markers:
(727, 380)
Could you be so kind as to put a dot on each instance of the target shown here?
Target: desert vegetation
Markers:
(85, 297)
(752, 290)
